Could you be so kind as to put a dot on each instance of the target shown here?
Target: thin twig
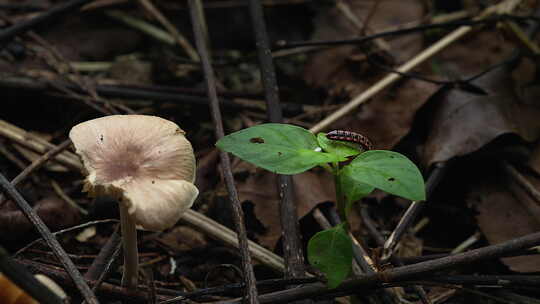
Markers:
(391, 78)
(281, 44)
(25, 280)
(402, 273)
(379, 239)
(522, 182)
(105, 257)
(180, 39)
(199, 25)
(37, 144)
(414, 209)
(38, 163)
(60, 192)
(50, 239)
(217, 231)
(51, 14)
(290, 231)
(84, 225)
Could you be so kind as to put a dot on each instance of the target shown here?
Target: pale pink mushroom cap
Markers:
(144, 161)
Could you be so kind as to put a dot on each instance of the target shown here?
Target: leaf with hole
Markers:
(388, 171)
(279, 148)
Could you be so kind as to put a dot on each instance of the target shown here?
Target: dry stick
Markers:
(414, 209)
(101, 265)
(104, 257)
(37, 144)
(379, 239)
(38, 163)
(199, 25)
(181, 40)
(57, 61)
(157, 94)
(220, 232)
(87, 224)
(391, 78)
(353, 18)
(50, 239)
(141, 25)
(107, 290)
(25, 280)
(51, 14)
(489, 280)
(290, 231)
(522, 182)
(403, 273)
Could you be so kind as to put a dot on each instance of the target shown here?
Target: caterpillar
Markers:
(350, 136)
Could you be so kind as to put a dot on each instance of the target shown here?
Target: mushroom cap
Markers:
(144, 161)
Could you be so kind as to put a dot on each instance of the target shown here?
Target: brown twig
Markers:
(199, 26)
(414, 209)
(49, 15)
(38, 163)
(403, 273)
(290, 232)
(180, 39)
(50, 239)
(379, 239)
(25, 280)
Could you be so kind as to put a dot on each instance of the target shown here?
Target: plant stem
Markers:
(131, 254)
(341, 202)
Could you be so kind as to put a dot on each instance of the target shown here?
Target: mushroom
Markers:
(147, 164)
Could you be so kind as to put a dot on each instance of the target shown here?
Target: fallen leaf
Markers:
(337, 68)
(310, 189)
(183, 238)
(388, 117)
(55, 213)
(463, 122)
(505, 213)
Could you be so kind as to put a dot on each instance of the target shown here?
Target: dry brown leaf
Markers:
(464, 122)
(334, 68)
(388, 117)
(505, 213)
(310, 188)
(182, 238)
(55, 213)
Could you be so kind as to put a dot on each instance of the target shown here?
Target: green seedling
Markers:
(288, 149)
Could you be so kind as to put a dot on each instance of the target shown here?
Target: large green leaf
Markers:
(331, 252)
(388, 171)
(280, 148)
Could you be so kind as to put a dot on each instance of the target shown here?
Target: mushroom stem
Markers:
(129, 242)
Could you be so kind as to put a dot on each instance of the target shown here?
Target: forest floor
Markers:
(450, 84)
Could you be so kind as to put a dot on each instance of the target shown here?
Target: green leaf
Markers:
(331, 252)
(353, 190)
(280, 148)
(341, 148)
(388, 171)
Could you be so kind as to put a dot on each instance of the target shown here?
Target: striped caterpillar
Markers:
(352, 137)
